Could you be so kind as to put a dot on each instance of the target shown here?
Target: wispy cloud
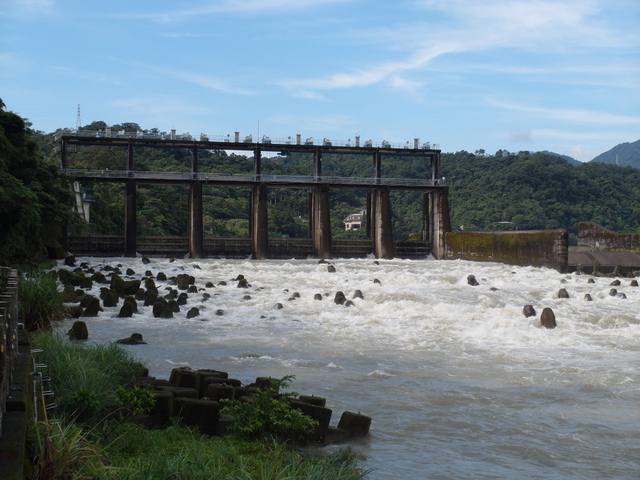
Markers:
(185, 35)
(390, 72)
(321, 123)
(576, 116)
(526, 23)
(206, 81)
(9, 59)
(159, 109)
(463, 26)
(27, 8)
(231, 6)
(85, 75)
(581, 136)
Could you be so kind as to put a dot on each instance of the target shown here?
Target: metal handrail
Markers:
(252, 177)
(264, 139)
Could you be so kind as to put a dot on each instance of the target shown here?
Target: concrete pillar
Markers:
(317, 164)
(257, 162)
(377, 165)
(321, 222)
(130, 230)
(130, 161)
(382, 229)
(369, 218)
(259, 222)
(63, 154)
(435, 165)
(426, 217)
(440, 221)
(196, 229)
(194, 159)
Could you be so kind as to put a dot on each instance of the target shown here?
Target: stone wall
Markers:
(590, 234)
(541, 248)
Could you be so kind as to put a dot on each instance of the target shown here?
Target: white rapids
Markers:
(459, 384)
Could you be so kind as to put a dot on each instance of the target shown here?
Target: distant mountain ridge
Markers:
(567, 158)
(624, 154)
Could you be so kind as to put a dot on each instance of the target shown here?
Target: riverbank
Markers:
(92, 433)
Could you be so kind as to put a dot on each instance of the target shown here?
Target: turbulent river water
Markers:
(458, 382)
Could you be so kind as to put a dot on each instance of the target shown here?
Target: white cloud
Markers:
(521, 136)
(582, 153)
(583, 136)
(158, 110)
(232, 6)
(27, 8)
(390, 72)
(8, 59)
(206, 81)
(542, 26)
(572, 115)
(322, 123)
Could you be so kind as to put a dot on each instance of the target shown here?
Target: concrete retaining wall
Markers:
(542, 248)
(596, 236)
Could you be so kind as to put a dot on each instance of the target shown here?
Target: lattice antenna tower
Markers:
(78, 120)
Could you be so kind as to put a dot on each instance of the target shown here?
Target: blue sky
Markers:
(559, 75)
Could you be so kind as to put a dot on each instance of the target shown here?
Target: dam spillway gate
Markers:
(379, 242)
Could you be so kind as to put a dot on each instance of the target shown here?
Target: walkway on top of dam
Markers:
(228, 179)
(607, 261)
(430, 155)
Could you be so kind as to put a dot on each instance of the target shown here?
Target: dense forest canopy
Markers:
(487, 192)
(539, 191)
(34, 196)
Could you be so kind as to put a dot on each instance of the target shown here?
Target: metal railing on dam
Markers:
(247, 179)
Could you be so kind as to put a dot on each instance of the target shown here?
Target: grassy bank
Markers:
(89, 435)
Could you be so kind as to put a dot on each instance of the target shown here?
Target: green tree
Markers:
(34, 196)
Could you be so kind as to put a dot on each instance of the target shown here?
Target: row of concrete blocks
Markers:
(195, 397)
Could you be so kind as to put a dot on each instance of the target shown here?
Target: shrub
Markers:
(269, 414)
(40, 302)
(137, 399)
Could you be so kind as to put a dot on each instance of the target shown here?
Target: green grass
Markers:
(86, 441)
(84, 378)
(65, 453)
(40, 302)
(181, 453)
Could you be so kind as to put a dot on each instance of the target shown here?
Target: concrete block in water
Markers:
(319, 401)
(321, 414)
(217, 392)
(198, 412)
(355, 423)
(203, 374)
(183, 377)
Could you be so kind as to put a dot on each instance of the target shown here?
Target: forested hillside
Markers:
(503, 191)
(34, 197)
(625, 154)
(539, 191)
